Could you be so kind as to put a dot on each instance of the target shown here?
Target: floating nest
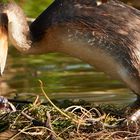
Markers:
(79, 121)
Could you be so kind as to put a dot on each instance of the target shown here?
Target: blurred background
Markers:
(64, 77)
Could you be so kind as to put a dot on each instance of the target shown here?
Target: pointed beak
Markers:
(3, 42)
(3, 49)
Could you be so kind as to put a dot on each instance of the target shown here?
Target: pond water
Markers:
(64, 77)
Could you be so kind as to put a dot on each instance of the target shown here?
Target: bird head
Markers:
(13, 28)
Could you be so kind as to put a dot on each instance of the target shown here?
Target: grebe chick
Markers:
(105, 36)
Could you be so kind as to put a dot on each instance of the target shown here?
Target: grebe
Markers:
(106, 36)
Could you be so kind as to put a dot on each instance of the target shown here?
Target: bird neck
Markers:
(18, 29)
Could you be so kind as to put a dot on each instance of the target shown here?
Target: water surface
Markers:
(64, 77)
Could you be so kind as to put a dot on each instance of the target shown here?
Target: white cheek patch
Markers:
(17, 37)
(14, 35)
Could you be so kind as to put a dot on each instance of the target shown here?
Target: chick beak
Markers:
(3, 42)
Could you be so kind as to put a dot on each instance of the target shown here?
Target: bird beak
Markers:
(3, 49)
(3, 43)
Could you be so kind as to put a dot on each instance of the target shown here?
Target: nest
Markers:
(76, 122)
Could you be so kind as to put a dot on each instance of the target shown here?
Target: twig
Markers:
(30, 128)
(48, 125)
(58, 109)
(127, 132)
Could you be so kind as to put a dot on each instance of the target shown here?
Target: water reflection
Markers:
(64, 77)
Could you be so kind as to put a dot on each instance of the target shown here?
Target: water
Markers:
(64, 78)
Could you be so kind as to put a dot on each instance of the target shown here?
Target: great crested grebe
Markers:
(106, 36)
